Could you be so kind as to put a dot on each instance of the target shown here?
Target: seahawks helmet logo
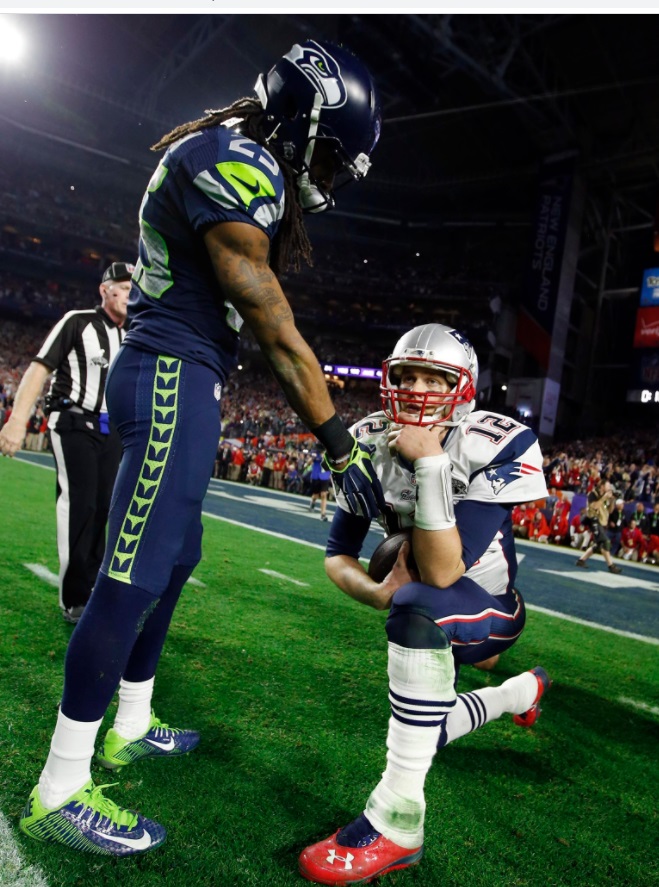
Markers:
(322, 70)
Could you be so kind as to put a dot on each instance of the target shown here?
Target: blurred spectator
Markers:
(522, 516)
(600, 502)
(632, 544)
(580, 535)
(558, 527)
(539, 528)
(617, 521)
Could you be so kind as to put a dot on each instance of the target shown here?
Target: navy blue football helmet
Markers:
(320, 96)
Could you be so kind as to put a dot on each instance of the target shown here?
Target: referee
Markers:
(78, 351)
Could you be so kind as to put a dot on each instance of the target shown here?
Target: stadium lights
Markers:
(12, 42)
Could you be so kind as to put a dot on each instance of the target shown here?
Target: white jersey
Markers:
(493, 459)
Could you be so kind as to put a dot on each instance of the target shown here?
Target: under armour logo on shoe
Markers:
(346, 860)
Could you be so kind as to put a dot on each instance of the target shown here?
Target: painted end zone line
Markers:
(282, 576)
(618, 631)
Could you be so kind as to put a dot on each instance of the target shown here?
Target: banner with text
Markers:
(650, 287)
(646, 334)
(540, 295)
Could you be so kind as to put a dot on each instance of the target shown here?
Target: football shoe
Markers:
(531, 715)
(90, 822)
(159, 740)
(331, 862)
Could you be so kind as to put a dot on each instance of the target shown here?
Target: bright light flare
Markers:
(12, 42)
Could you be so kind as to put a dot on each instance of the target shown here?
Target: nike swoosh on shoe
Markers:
(170, 745)
(141, 843)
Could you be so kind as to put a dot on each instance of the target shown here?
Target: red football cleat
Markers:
(529, 717)
(329, 863)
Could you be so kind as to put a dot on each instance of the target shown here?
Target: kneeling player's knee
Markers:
(412, 628)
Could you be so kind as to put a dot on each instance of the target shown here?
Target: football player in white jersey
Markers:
(452, 474)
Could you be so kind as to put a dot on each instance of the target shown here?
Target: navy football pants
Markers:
(477, 624)
(167, 413)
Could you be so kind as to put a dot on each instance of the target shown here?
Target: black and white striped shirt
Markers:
(79, 350)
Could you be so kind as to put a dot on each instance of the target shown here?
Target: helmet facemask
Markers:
(430, 407)
(431, 347)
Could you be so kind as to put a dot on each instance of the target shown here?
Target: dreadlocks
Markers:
(291, 243)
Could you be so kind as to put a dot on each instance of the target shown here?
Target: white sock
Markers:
(134, 712)
(68, 766)
(473, 710)
(421, 693)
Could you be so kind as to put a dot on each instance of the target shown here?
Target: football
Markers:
(384, 556)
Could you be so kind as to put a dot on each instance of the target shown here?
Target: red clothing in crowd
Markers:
(558, 528)
(538, 527)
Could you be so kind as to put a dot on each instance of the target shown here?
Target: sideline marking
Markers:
(237, 523)
(641, 706)
(12, 869)
(43, 573)
(282, 576)
(618, 631)
(197, 582)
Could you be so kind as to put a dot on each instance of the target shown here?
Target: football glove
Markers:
(359, 483)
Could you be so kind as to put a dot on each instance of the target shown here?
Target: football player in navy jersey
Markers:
(221, 216)
(452, 475)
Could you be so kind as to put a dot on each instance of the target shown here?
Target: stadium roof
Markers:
(472, 103)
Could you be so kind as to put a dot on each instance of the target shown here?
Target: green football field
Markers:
(286, 680)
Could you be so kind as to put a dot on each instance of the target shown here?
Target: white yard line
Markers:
(285, 578)
(641, 706)
(43, 573)
(13, 871)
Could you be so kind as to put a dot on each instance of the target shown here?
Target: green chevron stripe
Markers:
(163, 422)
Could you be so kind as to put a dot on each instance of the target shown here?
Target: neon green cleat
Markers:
(90, 822)
(158, 740)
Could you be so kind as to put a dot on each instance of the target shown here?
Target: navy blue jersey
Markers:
(176, 304)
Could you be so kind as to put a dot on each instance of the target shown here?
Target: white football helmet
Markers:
(434, 347)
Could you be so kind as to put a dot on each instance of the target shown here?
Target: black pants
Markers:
(87, 462)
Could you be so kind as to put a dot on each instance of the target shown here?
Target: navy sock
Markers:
(101, 645)
(359, 833)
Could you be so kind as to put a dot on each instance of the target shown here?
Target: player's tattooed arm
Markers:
(239, 254)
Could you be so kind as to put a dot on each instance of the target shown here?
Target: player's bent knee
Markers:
(410, 627)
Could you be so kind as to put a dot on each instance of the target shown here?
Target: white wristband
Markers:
(434, 493)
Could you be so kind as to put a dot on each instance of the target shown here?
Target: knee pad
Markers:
(411, 627)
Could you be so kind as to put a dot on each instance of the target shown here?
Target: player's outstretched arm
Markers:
(239, 253)
(14, 430)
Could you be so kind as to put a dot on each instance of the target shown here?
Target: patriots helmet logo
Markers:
(322, 70)
(500, 476)
(466, 344)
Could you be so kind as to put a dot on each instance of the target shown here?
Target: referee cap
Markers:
(118, 271)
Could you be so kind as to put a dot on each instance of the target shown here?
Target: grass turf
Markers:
(287, 685)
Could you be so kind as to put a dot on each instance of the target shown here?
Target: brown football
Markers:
(384, 556)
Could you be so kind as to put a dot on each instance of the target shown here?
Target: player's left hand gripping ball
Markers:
(359, 483)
